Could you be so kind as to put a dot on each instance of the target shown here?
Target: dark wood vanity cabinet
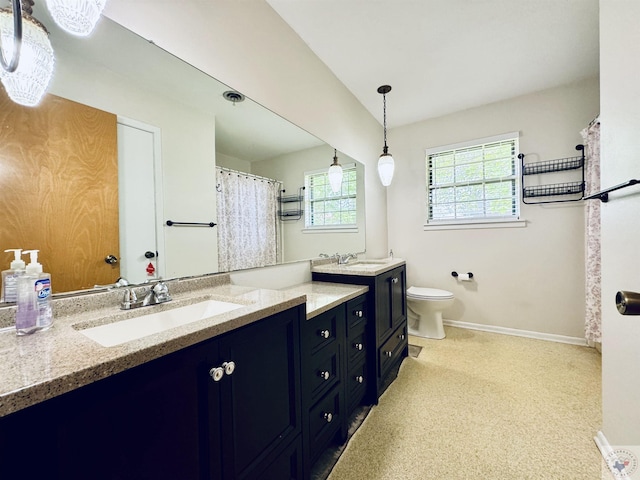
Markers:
(170, 419)
(333, 375)
(259, 412)
(322, 383)
(386, 331)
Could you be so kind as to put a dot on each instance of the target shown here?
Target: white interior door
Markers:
(140, 201)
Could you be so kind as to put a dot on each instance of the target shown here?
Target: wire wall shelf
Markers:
(557, 165)
(569, 188)
(291, 206)
(575, 188)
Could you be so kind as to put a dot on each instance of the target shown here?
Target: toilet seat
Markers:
(423, 293)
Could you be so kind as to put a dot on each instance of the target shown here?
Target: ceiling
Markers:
(444, 56)
(245, 130)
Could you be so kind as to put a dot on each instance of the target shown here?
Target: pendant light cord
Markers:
(12, 65)
(384, 119)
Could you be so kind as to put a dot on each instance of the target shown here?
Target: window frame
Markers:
(484, 221)
(347, 227)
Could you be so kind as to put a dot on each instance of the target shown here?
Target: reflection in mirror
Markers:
(179, 115)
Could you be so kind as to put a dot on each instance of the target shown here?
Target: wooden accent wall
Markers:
(59, 189)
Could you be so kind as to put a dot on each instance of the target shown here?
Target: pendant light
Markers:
(335, 174)
(28, 83)
(78, 17)
(386, 164)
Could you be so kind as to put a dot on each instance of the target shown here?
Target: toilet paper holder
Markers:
(455, 274)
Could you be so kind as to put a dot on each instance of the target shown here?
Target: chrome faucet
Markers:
(152, 295)
(121, 282)
(344, 259)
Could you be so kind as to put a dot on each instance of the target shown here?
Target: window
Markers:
(474, 182)
(323, 208)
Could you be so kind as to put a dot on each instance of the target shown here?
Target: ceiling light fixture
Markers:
(28, 83)
(335, 174)
(77, 17)
(386, 164)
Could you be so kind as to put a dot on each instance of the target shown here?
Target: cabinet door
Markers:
(398, 297)
(140, 424)
(260, 400)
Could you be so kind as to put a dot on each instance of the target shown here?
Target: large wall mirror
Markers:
(116, 98)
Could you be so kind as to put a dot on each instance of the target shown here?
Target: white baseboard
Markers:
(518, 333)
(610, 456)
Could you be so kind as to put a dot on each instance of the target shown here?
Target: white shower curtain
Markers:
(247, 221)
(593, 292)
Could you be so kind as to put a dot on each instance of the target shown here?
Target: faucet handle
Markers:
(161, 291)
(129, 297)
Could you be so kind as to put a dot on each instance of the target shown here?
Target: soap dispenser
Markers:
(10, 277)
(34, 298)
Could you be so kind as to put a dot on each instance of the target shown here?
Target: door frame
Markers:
(158, 186)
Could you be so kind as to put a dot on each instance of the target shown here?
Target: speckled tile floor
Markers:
(479, 405)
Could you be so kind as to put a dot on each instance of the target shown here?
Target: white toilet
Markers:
(425, 306)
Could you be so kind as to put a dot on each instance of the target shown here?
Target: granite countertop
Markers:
(366, 267)
(323, 296)
(46, 364)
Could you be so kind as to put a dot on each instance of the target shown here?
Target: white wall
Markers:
(188, 156)
(529, 278)
(620, 124)
(233, 163)
(290, 169)
(246, 45)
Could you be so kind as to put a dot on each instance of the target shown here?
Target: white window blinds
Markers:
(473, 182)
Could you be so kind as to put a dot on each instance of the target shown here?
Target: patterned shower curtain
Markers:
(247, 221)
(593, 293)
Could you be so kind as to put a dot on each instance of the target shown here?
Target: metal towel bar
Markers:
(604, 194)
(171, 223)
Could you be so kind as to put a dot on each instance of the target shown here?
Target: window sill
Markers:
(470, 225)
(335, 229)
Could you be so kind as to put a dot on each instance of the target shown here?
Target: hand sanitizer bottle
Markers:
(34, 298)
(10, 277)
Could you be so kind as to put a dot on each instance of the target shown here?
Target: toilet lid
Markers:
(428, 293)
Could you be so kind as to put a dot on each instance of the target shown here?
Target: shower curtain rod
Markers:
(248, 175)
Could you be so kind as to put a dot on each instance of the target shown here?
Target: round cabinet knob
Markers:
(324, 375)
(327, 416)
(401, 336)
(111, 259)
(216, 373)
(229, 367)
(324, 333)
(359, 379)
(358, 346)
(358, 313)
(388, 354)
(394, 280)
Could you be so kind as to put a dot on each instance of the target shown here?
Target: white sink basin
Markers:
(123, 331)
(364, 266)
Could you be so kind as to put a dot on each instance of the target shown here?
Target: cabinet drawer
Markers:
(322, 330)
(356, 349)
(325, 419)
(356, 314)
(323, 371)
(392, 348)
(356, 386)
